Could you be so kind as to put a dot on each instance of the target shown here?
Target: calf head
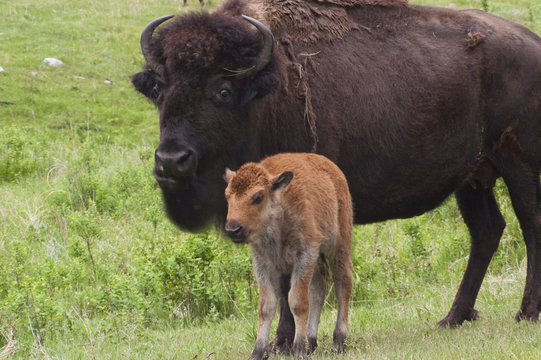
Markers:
(202, 71)
(253, 197)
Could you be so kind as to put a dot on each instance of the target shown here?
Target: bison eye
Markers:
(257, 199)
(224, 93)
(224, 96)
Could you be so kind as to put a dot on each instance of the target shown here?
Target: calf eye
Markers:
(257, 199)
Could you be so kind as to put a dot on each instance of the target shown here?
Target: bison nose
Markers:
(172, 166)
(234, 230)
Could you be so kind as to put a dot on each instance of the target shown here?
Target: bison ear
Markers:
(259, 86)
(282, 181)
(228, 175)
(145, 83)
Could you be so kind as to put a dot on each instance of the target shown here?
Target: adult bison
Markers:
(412, 102)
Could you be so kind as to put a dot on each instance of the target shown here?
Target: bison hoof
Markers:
(532, 316)
(456, 319)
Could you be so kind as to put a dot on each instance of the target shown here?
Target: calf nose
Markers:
(174, 165)
(234, 230)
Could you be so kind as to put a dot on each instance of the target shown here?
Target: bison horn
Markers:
(265, 55)
(146, 37)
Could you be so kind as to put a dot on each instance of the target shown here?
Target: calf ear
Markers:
(282, 181)
(228, 175)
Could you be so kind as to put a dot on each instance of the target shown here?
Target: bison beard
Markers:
(190, 209)
(413, 104)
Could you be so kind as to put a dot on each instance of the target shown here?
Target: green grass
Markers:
(90, 267)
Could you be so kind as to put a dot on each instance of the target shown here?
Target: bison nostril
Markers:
(175, 164)
(183, 156)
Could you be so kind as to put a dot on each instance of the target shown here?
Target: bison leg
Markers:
(318, 290)
(285, 333)
(525, 192)
(485, 223)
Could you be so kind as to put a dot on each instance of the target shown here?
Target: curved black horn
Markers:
(265, 55)
(146, 37)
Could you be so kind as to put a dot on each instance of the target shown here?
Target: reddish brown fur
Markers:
(296, 223)
(250, 177)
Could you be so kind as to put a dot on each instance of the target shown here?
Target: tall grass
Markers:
(91, 268)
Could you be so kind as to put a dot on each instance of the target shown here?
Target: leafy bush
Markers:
(19, 154)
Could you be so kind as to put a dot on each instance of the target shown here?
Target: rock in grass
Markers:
(1, 69)
(53, 62)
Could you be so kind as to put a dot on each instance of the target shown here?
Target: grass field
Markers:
(90, 267)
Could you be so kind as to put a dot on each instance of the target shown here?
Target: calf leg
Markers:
(318, 290)
(299, 299)
(266, 308)
(485, 223)
(342, 273)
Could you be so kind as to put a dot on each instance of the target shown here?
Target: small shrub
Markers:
(19, 154)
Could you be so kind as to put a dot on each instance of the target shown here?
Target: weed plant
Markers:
(90, 267)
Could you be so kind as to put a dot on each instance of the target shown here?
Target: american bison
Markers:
(413, 103)
(295, 212)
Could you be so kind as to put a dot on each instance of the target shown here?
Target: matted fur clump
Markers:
(306, 20)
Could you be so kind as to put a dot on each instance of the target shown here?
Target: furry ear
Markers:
(145, 83)
(228, 175)
(282, 181)
(259, 86)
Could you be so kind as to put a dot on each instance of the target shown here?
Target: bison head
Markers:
(203, 71)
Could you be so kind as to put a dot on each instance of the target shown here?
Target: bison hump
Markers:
(348, 3)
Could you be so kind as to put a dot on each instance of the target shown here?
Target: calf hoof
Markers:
(456, 318)
(259, 354)
(299, 351)
(312, 345)
(339, 343)
(280, 346)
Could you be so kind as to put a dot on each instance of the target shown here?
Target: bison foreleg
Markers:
(525, 193)
(485, 223)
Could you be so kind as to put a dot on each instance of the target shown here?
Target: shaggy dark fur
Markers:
(413, 103)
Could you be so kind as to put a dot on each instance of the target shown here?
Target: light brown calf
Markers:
(295, 212)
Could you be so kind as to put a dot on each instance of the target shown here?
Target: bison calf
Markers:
(295, 212)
